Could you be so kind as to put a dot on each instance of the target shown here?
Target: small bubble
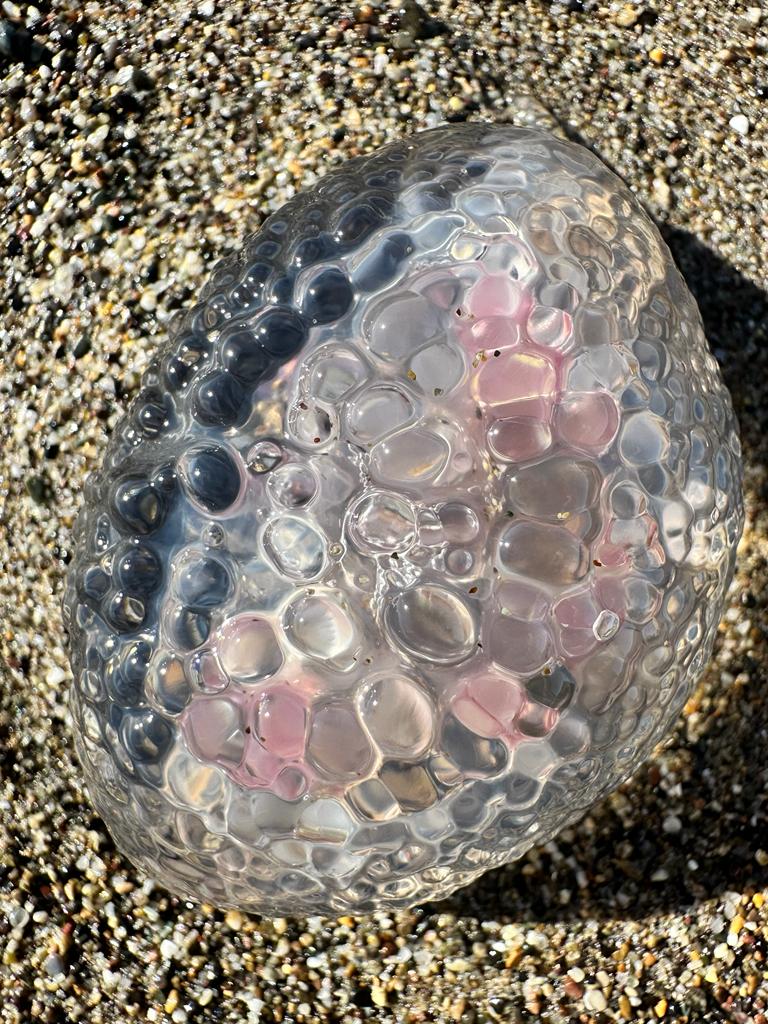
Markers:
(606, 625)
(213, 535)
(263, 457)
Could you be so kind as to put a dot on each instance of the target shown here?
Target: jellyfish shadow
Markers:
(661, 846)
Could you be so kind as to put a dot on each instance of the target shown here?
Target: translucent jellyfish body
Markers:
(415, 538)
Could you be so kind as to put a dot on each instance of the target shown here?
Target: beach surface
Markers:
(139, 143)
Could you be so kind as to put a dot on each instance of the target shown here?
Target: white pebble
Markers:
(595, 1000)
(168, 949)
(671, 824)
(739, 123)
(98, 137)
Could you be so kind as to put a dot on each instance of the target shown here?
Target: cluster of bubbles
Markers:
(414, 539)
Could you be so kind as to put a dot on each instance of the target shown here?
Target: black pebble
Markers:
(212, 477)
(281, 332)
(221, 401)
(140, 506)
(328, 297)
(205, 583)
(139, 570)
(244, 356)
(554, 690)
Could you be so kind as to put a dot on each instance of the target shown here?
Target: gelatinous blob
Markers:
(414, 539)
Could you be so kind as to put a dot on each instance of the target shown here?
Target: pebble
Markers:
(740, 124)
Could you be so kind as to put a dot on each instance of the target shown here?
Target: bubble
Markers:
(321, 626)
(293, 486)
(338, 745)
(335, 372)
(379, 410)
(606, 625)
(554, 489)
(518, 439)
(432, 623)
(409, 458)
(263, 457)
(543, 552)
(295, 547)
(381, 522)
(247, 648)
(398, 715)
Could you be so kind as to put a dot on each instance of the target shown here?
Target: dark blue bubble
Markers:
(212, 477)
(205, 583)
(95, 583)
(146, 735)
(191, 627)
(244, 356)
(381, 266)
(471, 752)
(328, 296)
(124, 612)
(554, 690)
(138, 570)
(139, 505)
(221, 401)
(282, 332)
(315, 249)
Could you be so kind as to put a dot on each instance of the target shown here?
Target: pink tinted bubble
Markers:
(497, 695)
(476, 718)
(259, 767)
(499, 296)
(575, 616)
(488, 335)
(281, 722)
(291, 783)
(208, 674)
(588, 420)
(516, 383)
(213, 729)
(519, 438)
